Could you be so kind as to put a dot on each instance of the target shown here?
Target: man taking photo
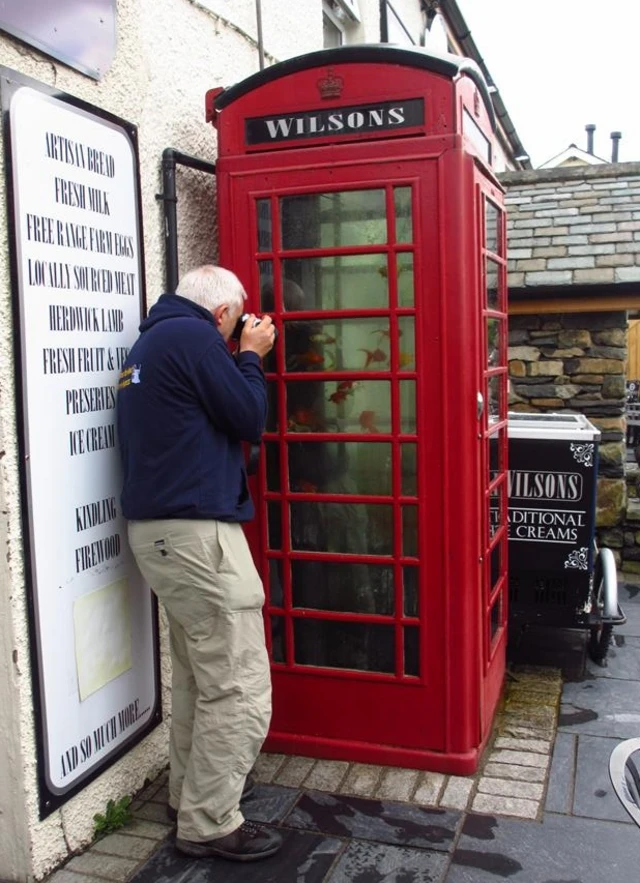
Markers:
(185, 405)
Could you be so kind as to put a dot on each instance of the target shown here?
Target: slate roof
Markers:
(577, 226)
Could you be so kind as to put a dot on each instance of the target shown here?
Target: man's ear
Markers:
(219, 313)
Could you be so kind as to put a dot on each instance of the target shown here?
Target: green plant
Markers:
(117, 815)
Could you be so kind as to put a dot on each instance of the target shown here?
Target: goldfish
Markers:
(311, 357)
(384, 332)
(374, 356)
(323, 338)
(367, 419)
(306, 487)
(344, 388)
(302, 417)
(405, 359)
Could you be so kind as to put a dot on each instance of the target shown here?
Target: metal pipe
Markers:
(260, 41)
(590, 129)
(615, 139)
(169, 199)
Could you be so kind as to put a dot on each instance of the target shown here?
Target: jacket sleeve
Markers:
(233, 392)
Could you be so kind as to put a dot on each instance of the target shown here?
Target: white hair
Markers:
(211, 286)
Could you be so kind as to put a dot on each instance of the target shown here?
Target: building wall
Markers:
(168, 55)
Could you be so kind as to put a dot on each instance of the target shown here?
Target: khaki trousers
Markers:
(203, 573)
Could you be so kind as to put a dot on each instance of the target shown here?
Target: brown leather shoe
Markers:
(248, 843)
(247, 791)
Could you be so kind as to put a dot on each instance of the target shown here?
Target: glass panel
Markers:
(409, 469)
(494, 399)
(274, 523)
(276, 583)
(343, 282)
(496, 510)
(272, 458)
(337, 345)
(496, 563)
(349, 588)
(407, 406)
(263, 211)
(411, 651)
(496, 453)
(404, 224)
(272, 407)
(410, 531)
(362, 406)
(277, 639)
(337, 467)
(265, 273)
(404, 261)
(352, 528)
(410, 583)
(494, 343)
(327, 220)
(407, 343)
(492, 216)
(496, 616)
(348, 645)
(493, 299)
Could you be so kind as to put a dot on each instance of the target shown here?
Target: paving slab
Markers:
(622, 661)
(398, 824)
(593, 708)
(561, 776)
(269, 803)
(629, 600)
(594, 794)
(304, 857)
(561, 849)
(376, 863)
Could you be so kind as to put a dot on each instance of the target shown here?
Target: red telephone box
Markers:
(357, 203)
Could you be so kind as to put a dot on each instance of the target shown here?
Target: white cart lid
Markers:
(569, 427)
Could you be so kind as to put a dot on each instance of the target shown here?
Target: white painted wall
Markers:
(168, 55)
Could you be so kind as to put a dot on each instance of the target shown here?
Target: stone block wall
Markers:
(575, 363)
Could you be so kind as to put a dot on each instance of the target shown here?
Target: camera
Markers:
(237, 331)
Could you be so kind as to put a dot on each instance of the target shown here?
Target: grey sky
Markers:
(560, 64)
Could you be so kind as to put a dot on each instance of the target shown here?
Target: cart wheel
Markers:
(606, 592)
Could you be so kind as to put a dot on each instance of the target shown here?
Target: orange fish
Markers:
(311, 357)
(374, 356)
(302, 417)
(345, 386)
(338, 397)
(386, 333)
(405, 359)
(367, 419)
(306, 487)
(323, 338)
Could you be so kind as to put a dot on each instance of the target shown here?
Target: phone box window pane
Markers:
(410, 531)
(342, 282)
(348, 588)
(495, 397)
(412, 651)
(406, 343)
(402, 203)
(404, 262)
(409, 467)
(346, 645)
(494, 343)
(493, 275)
(339, 406)
(272, 457)
(272, 407)
(265, 272)
(408, 406)
(277, 639)
(340, 467)
(337, 345)
(276, 583)
(492, 218)
(352, 528)
(263, 211)
(274, 524)
(327, 220)
(496, 616)
(410, 585)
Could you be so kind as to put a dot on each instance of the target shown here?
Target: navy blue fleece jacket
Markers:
(184, 407)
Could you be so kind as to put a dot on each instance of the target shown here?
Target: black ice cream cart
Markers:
(557, 575)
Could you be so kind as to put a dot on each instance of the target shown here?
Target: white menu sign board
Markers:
(78, 269)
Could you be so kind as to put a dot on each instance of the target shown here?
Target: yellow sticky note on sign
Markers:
(102, 627)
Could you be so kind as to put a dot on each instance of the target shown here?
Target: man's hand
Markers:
(258, 339)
